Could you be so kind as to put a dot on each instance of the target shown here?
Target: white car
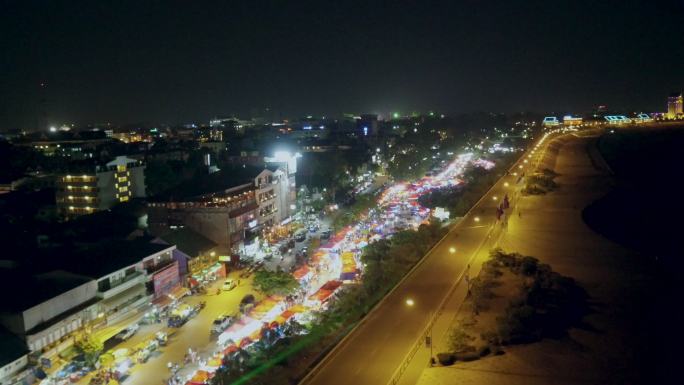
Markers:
(229, 285)
(220, 324)
(127, 333)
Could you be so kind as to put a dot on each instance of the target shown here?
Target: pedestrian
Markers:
(519, 214)
(238, 282)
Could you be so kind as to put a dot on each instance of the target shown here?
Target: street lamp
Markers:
(477, 219)
(505, 184)
(452, 250)
(409, 302)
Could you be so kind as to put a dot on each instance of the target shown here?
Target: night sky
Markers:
(182, 61)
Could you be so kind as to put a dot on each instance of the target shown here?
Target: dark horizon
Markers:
(178, 62)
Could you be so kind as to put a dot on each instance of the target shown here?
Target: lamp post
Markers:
(428, 333)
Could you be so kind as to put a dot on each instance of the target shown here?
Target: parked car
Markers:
(127, 333)
(176, 321)
(229, 285)
(220, 324)
(300, 236)
(247, 303)
(325, 234)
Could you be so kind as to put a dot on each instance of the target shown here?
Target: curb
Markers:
(344, 339)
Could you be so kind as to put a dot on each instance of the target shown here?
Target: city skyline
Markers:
(184, 62)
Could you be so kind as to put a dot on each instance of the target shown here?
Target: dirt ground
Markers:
(613, 345)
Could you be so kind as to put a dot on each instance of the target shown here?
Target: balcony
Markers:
(265, 198)
(120, 286)
(158, 266)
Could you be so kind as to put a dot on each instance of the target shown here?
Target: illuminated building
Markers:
(229, 123)
(228, 217)
(368, 125)
(643, 118)
(99, 289)
(675, 106)
(617, 119)
(230, 207)
(550, 121)
(97, 188)
(286, 191)
(569, 120)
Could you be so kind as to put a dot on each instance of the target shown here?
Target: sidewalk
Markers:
(551, 229)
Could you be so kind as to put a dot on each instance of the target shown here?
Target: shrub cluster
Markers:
(540, 183)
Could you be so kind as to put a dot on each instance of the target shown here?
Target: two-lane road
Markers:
(375, 349)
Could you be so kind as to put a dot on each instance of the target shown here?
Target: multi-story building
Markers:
(232, 206)
(129, 275)
(98, 187)
(368, 125)
(227, 217)
(569, 120)
(52, 307)
(196, 254)
(13, 359)
(103, 290)
(287, 188)
(675, 106)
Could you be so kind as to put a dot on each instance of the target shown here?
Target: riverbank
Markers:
(629, 334)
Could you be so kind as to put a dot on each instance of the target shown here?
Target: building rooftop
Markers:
(217, 182)
(35, 289)
(97, 261)
(189, 241)
(11, 347)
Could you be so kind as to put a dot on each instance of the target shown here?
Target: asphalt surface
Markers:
(374, 351)
(194, 334)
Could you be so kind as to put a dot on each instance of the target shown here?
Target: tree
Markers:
(106, 360)
(159, 177)
(275, 282)
(91, 347)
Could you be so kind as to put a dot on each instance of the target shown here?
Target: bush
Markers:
(491, 270)
(466, 356)
(540, 183)
(445, 359)
(533, 190)
(459, 340)
(484, 350)
(503, 259)
(528, 266)
(490, 337)
(517, 325)
(547, 172)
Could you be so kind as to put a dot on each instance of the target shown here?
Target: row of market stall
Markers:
(332, 265)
